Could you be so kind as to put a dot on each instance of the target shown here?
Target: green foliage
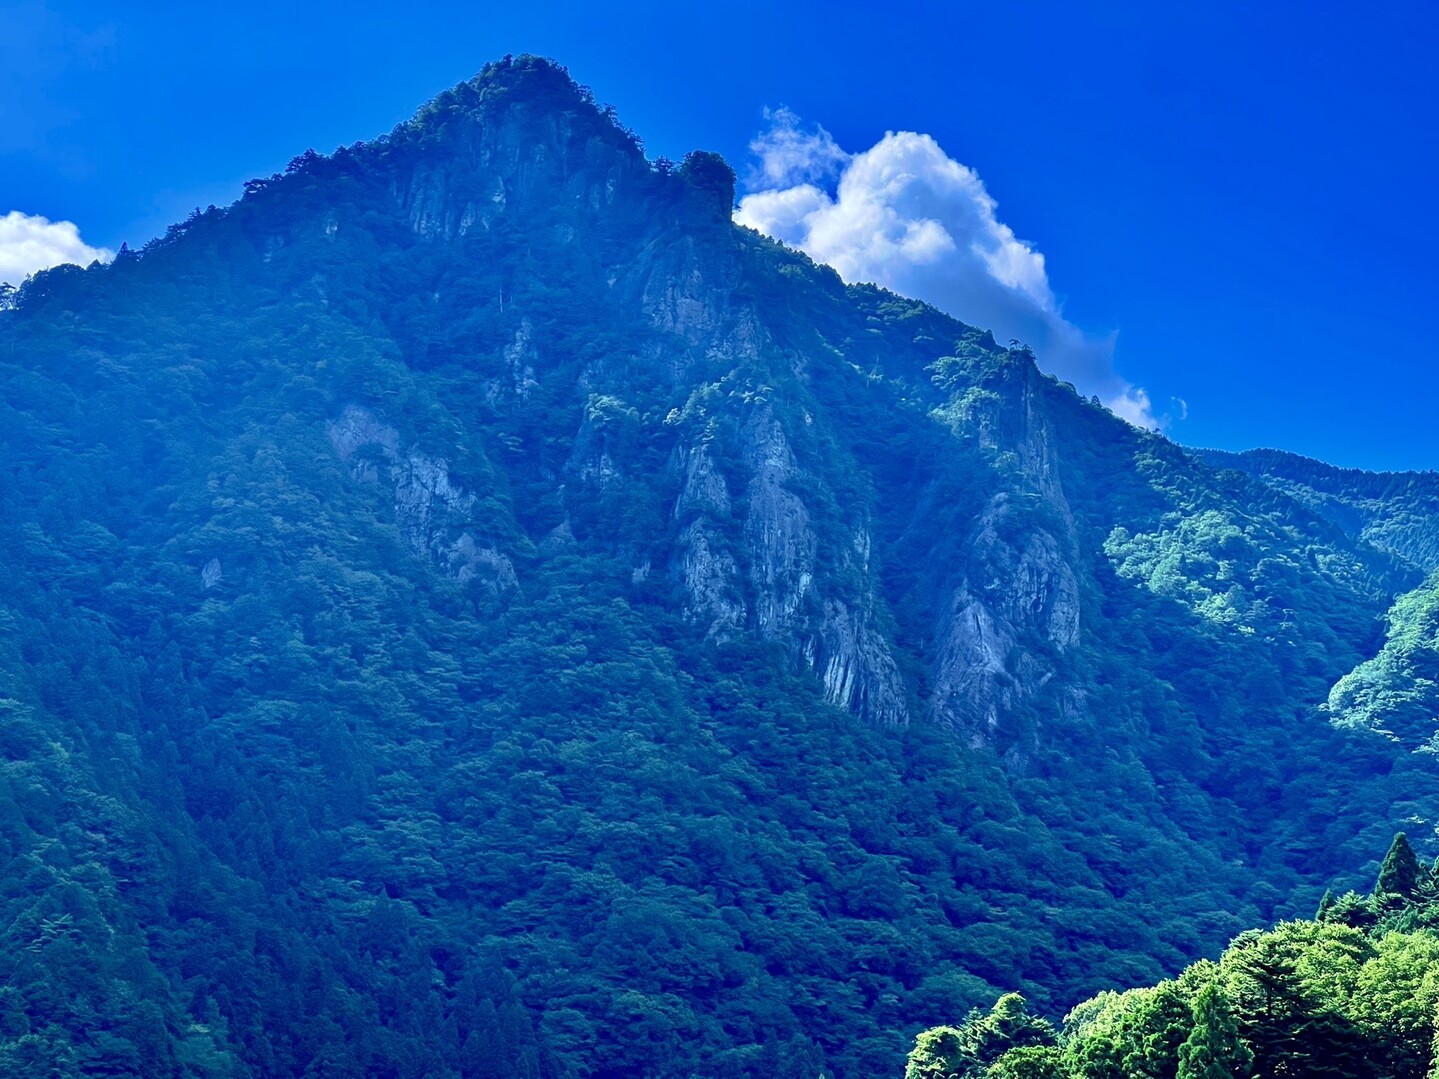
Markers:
(355, 719)
(975, 1048)
(1029, 1062)
(1315, 998)
(1396, 693)
(711, 174)
(1399, 873)
(1213, 1049)
(1392, 692)
(1396, 512)
(938, 1053)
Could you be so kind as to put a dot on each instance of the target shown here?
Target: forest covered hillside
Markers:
(470, 609)
(1352, 993)
(1395, 692)
(1394, 511)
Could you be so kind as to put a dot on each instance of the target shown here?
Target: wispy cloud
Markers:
(30, 243)
(905, 215)
(788, 153)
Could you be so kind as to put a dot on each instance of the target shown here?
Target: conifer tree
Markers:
(1353, 910)
(1029, 1062)
(1268, 999)
(1399, 874)
(1434, 1045)
(1213, 1049)
(1426, 892)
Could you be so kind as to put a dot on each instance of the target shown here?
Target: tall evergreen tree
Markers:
(1399, 873)
(1163, 1020)
(1213, 1049)
(1269, 999)
(1427, 890)
(1009, 1025)
(1434, 1049)
(1353, 910)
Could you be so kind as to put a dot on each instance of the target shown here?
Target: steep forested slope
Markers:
(1393, 692)
(1394, 511)
(472, 610)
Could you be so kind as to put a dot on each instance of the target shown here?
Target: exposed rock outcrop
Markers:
(757, 543)
(431, 511)
(1015, 608)
(775, 579)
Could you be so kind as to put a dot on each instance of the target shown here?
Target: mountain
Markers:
(1397, 512)
(471, 609)
(1395, 692)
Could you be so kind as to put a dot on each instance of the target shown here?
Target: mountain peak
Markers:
(472, 557)
(524, 128)
(534, 83)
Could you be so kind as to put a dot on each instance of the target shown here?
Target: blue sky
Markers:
(1234, 202)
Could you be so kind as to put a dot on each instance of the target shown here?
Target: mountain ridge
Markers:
(1393, 510)
(539, 625)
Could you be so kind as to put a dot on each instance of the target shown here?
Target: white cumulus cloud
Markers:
(30, 243)
(905, 215)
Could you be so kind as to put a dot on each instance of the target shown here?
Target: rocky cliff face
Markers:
(755, 539)
(1014, 607)
(747, 543)
(770, 578)
(753, 560)
(705, 432)
(431, 512)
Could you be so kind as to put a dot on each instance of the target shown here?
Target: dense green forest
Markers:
(471, 610)
(1393, 511)
(1352, 994)
(1393, 693)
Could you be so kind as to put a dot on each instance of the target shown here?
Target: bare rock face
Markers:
(497, 160)
(430, 510)
(690, 300)
(756, 543)
(778, 536)
(521, 357)
(1017, 591)
(755, 563)
(1012, 422)
(797, 598)
(855, 664)
(678, 299)
(702, 561)
(1010, 599)
(704, 489)
(710, 575)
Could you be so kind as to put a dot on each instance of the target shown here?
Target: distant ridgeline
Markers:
(1352, 994)
(469, 609)
(1396, 692)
